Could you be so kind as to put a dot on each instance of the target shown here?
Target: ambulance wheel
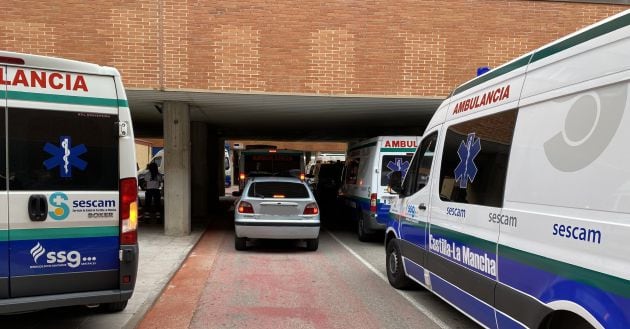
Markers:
(362, 232)
(115, 307)
(240, 243)
(395, 271)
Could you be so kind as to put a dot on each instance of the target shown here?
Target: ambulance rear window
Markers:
(393, 163)
(64, 151)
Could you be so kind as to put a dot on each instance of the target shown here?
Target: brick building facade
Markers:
(418, 48)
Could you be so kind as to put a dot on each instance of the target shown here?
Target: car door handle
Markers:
(422, 206)
(37, 207)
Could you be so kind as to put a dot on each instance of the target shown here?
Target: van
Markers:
(68, 209)
(516, 207)
(363, 195)
(227, 165)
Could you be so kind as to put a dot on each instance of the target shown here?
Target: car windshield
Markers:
(278, 190)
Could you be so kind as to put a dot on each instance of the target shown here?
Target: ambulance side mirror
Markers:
(395, 182)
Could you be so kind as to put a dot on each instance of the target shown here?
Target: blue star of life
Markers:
(466, 169)
(65, 157)
(398, 165)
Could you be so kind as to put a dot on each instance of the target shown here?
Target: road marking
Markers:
(405, 295)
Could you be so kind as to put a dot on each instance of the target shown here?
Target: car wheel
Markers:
(395, 271)
(240, 243)
(362, 232)
(312, 244)
(114, 307)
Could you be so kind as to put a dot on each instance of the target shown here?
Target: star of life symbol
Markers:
(65, 156)
(466, 169)
(398, 165)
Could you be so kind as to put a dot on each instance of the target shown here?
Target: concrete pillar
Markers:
(176, 168)
(215, 170)
(199, 165)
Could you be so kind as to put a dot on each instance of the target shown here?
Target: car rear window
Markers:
(277, 190)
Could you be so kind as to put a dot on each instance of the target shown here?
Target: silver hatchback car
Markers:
(276, 208)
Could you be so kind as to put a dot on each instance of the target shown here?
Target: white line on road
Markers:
(405, 295)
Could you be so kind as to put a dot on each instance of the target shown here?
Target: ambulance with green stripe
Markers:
(68, 189)
(369, 163)
(516, 207)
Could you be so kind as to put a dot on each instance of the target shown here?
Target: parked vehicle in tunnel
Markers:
(68, 213)
(369, 163)
(515, 208)
(270, 162)
(276, 208)
(325, 182)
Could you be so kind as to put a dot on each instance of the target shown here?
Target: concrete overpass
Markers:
(196, 124)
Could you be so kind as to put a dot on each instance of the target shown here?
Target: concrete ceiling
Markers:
(287, 117)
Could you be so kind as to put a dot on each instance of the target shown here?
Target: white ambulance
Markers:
(369, 164)
(516, 208)
(68, 188)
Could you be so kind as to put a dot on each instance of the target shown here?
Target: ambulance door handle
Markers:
(37, 207)
(422, 206)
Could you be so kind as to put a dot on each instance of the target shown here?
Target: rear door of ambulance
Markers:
(4, 220)
(395, 154)
(63, 182)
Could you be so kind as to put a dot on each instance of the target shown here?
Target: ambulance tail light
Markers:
(11, 60)
(128, 211)
(311, 209)
(373, 203)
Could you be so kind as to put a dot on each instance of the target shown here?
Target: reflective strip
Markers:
(63, 233)
(65, 99)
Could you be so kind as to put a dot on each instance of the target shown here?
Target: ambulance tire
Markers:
(240, 243)
(114, 307)
(363, 233)
(395, 271)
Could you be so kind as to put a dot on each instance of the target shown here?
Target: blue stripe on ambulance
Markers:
(606, 306)
(63, 250)
(4, 254)
(482, 312)
(363, 204)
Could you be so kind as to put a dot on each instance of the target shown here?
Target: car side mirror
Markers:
(395, 182)
(236, 193)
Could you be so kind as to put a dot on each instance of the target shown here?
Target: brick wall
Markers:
(381, 47)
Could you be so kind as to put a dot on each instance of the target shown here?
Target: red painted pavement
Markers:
(176, 305)
(278, 286)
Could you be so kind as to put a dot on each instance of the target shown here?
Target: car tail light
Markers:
(242, 176)
(128, 211)
(245, 207)
(311, 209)
(302, 176)
(373, 203)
